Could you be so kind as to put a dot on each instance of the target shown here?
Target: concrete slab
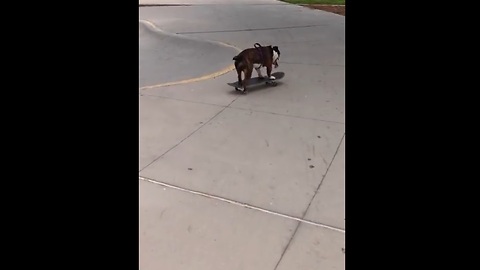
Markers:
(319, 49)
(237, 18)
(312, 46)
(328, 206)
(206, 2)
(183, 231)
(316, 93)
(166, 57)
(257, 151)
(165, 122)
(256, 158)
(314, 248)
(212, 91)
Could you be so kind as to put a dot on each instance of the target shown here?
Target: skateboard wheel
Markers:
(272, 83)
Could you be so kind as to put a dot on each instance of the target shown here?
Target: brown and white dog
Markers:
(257, 57)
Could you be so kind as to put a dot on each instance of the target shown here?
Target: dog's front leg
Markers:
(259, 72)
(269, 72)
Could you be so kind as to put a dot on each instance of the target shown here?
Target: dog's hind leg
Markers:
(239, 67)
(248, 75)
(239, 73)
(259, 71)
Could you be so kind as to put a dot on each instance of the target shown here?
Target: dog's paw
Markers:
(240, 89)
(272, 78)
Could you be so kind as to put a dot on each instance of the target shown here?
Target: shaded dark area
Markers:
(340, 10)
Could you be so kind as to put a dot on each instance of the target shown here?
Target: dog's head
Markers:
(276, 56)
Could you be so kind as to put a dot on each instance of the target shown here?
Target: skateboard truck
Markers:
(271, 82)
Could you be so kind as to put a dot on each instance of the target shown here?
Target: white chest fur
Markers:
(275, 56)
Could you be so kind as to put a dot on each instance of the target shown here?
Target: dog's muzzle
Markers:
(275, 63)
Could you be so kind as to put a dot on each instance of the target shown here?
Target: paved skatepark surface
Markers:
(168, 58)
(233, 181)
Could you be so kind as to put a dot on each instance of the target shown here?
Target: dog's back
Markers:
(255, 55)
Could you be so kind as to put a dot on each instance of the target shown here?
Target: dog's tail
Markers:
(239, 64)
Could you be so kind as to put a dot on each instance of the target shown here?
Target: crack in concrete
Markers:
(244, 109)
(306, 210)
(204, 124)
(249, 206)
(310, 64)
(250, 29)
(325, 175)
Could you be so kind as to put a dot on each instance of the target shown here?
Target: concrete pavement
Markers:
(181, 57)
(231, 181)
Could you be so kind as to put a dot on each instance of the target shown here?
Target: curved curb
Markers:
(201, 78)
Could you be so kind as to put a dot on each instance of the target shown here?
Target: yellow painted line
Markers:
(204, 77)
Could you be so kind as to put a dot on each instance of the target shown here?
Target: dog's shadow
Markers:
(254, 88)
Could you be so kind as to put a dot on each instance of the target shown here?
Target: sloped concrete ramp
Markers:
(167, 58)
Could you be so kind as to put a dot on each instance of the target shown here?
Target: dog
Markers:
(256, 58)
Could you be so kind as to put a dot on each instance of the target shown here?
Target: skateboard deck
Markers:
(259, 81)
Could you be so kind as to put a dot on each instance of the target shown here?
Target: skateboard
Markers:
(259, 81)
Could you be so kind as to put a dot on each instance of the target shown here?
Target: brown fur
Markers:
(244, 62)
